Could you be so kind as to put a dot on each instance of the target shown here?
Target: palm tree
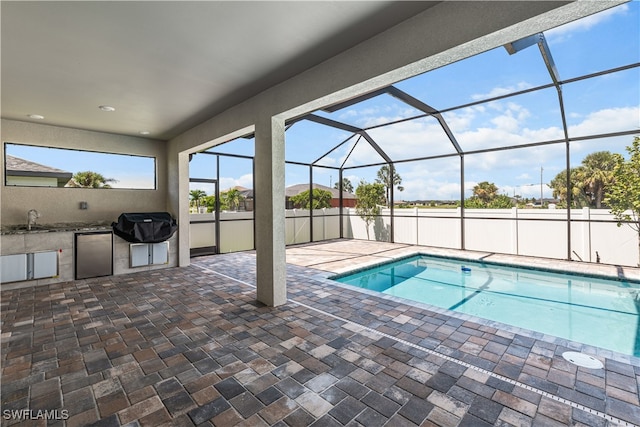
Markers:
(589, 181)
(346, 185)
(579, 198)
(597, 174)
(89, 179)
(196, 197)
(233, 198)
(384, 178)
(485, 191)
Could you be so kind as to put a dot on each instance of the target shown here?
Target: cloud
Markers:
(502, 123)
(500, 91)
(244, 181)
(428, 189)
(507, 168)
(606, 121)
(524, 176)
(425, 137)
(328, 161)
(369, 116)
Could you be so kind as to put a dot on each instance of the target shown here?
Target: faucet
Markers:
(32, 215)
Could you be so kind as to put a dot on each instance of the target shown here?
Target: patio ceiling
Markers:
(167, 66)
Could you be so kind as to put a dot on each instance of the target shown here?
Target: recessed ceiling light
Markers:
(35, 116)
(144, 132)
(106, 108)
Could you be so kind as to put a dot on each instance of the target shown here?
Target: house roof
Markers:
(245, 192)
(294, 190)
(15, 166)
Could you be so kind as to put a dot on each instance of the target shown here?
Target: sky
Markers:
(609, 103)
(600, 105)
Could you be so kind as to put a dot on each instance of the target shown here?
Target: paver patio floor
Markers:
(191, 346)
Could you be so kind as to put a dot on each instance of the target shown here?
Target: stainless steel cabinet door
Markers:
(94, 254)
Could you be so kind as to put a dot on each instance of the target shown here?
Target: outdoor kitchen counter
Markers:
(55, 227)
(60, 237)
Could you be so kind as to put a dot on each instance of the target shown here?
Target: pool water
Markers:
(599, 312)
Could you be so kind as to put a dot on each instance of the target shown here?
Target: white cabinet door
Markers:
(139, 253)
(45, 264)
(13, 268)
(160, 253)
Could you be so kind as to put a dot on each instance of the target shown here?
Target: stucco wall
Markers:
(62, 204)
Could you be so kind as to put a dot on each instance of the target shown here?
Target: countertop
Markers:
(55, 227)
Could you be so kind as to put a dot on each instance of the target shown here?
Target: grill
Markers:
(151, 227)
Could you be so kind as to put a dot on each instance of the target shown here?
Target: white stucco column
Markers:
(178, 199)
(269, 212)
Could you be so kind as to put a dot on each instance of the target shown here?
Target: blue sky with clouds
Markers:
(600, 105)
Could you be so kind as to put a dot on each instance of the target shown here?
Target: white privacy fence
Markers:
(533, 232)
(236, 228)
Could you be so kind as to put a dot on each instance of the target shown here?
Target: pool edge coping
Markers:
(482, 260)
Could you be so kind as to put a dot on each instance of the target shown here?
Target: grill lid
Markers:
(148, 227)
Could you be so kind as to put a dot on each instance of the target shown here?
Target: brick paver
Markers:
(186, 346)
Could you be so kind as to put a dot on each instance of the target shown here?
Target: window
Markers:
(36, 166)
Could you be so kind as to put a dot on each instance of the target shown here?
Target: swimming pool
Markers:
(599, 312)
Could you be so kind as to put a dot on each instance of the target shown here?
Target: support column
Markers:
(178, 200)
(270, 212)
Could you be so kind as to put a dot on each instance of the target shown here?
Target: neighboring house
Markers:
(27, 173)
(348, 199)
(246, 204)
(246, 197)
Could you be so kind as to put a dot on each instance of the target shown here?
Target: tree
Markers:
(321, 199)
(384, 178)
(232, 198)
(485, 195)
(196, 197)
(623, 194)
(589, 181)
(210, 203)
(485, 191)
(89, 179)
(346, 185)
(370, 196)
(579, 198)
(597, 174)
(501, 201)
